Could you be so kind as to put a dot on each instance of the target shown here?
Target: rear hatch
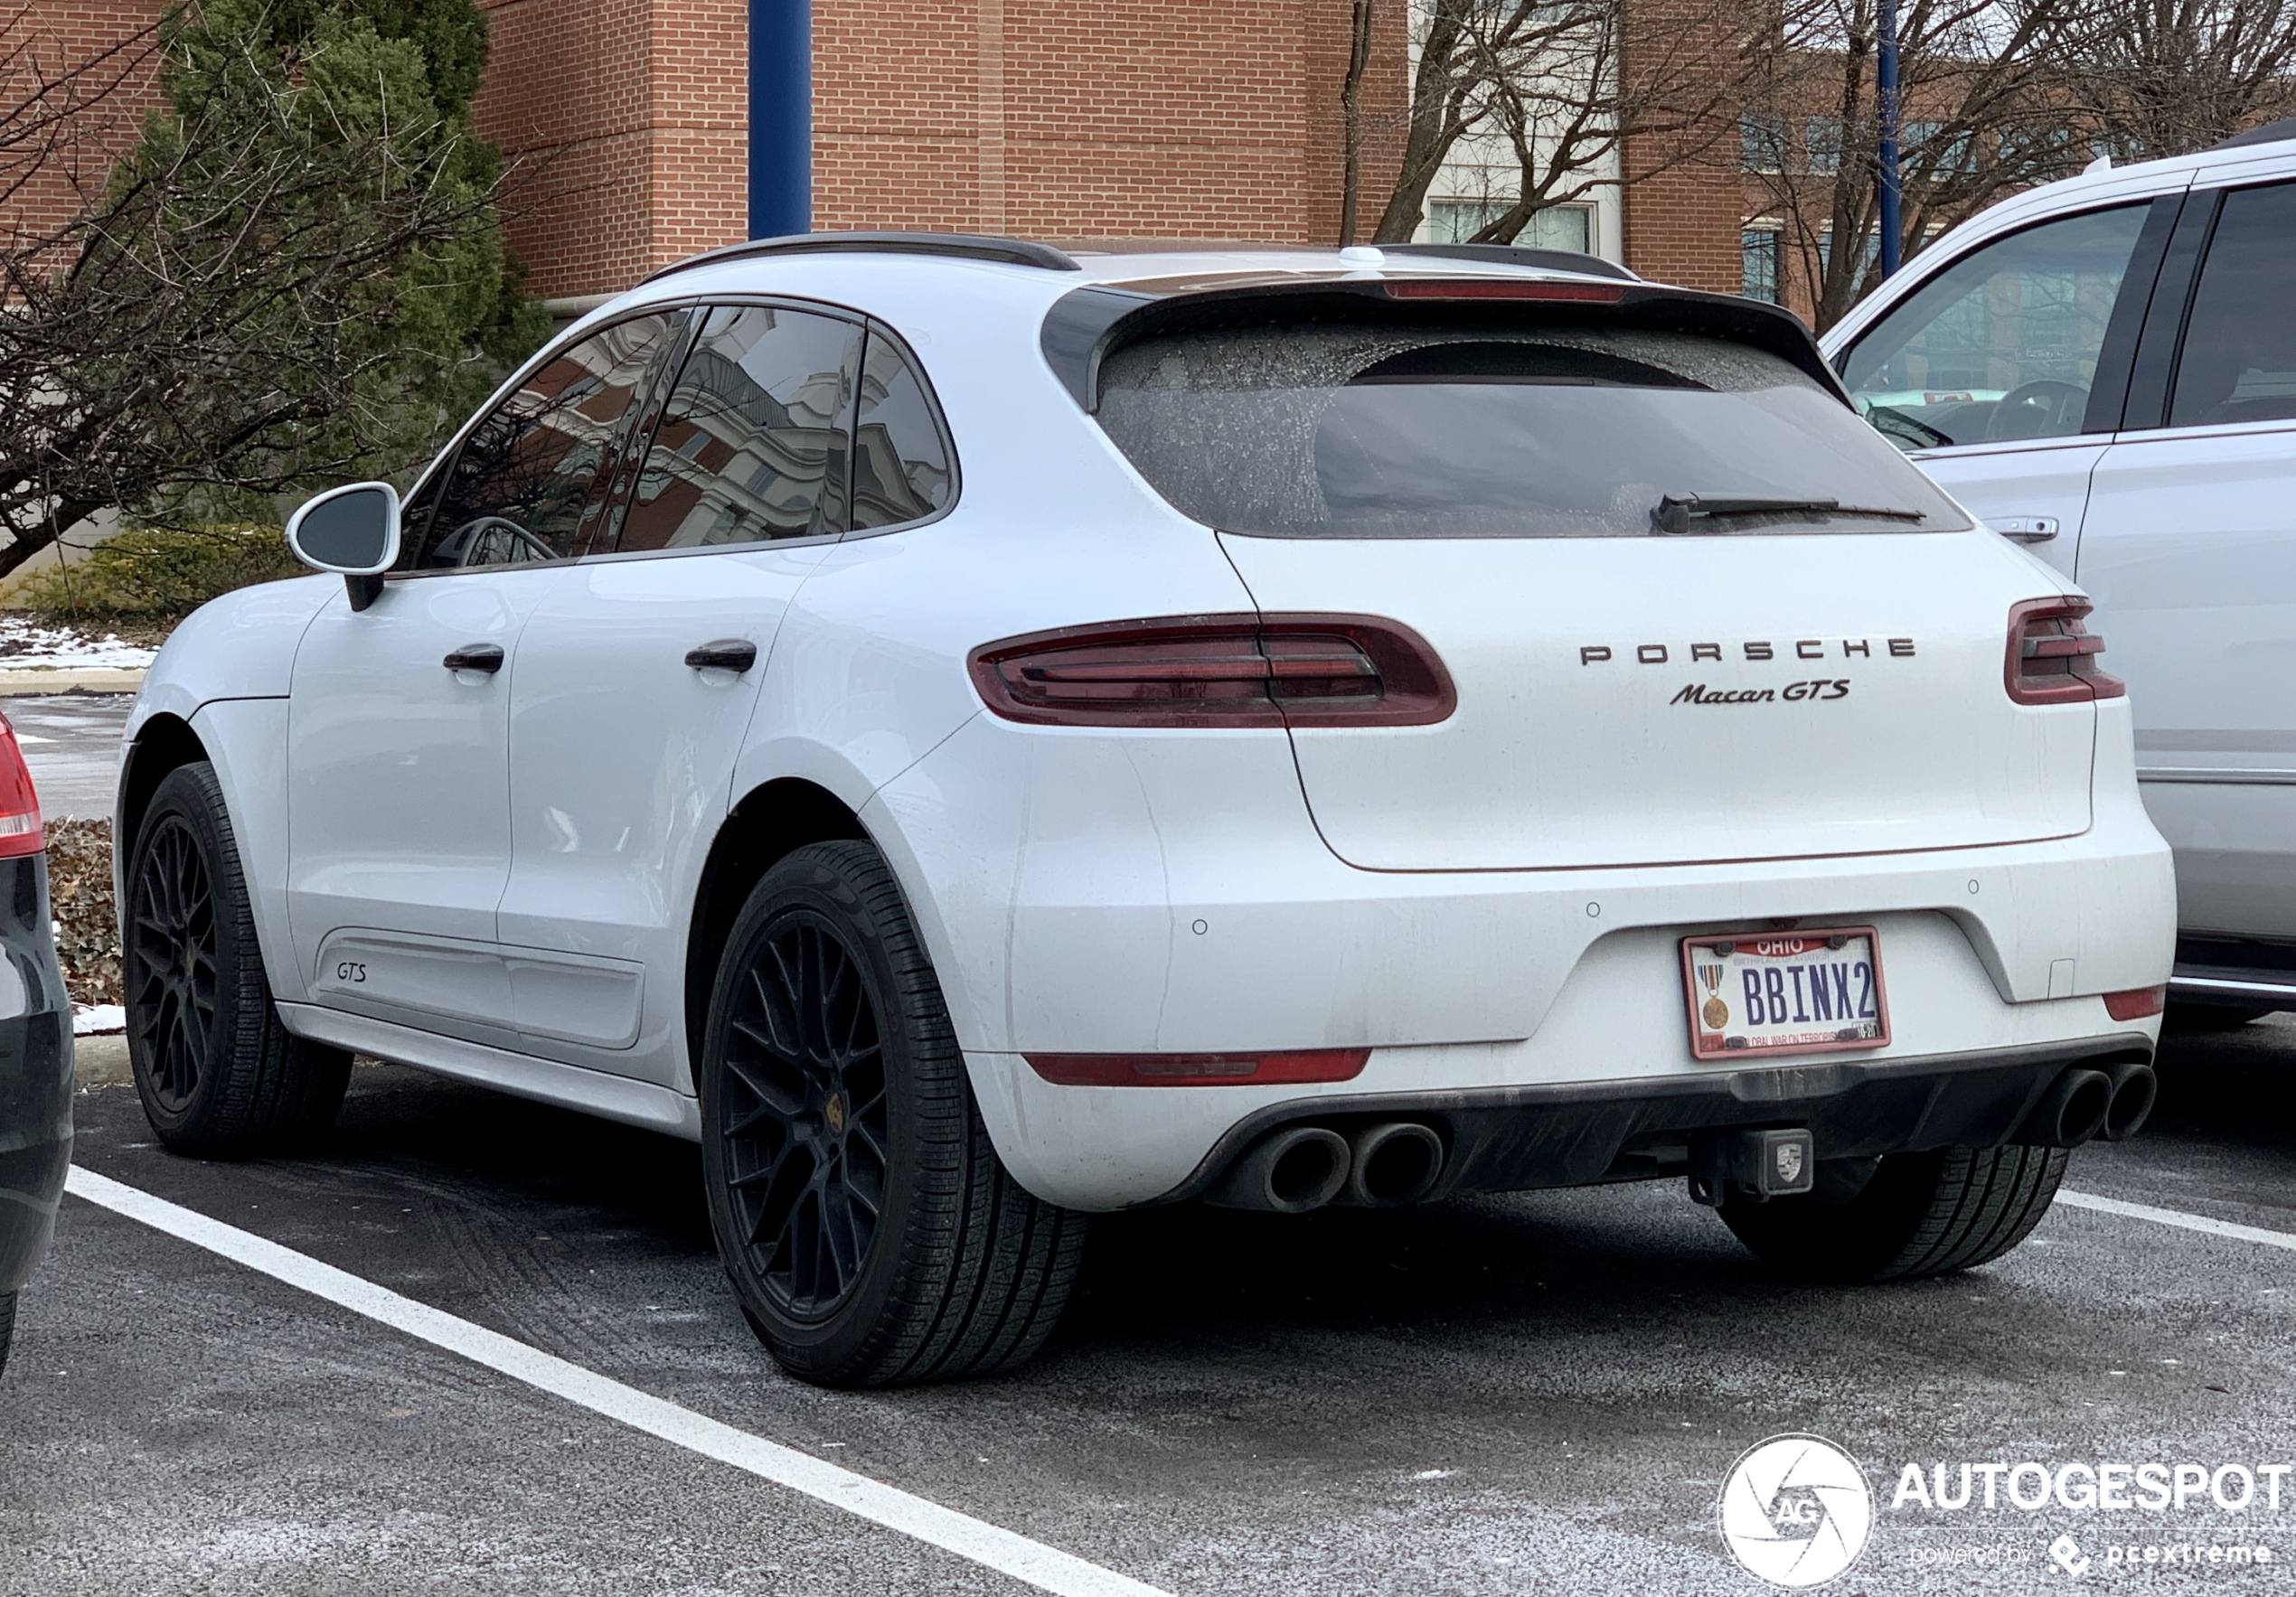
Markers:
(1693, 609)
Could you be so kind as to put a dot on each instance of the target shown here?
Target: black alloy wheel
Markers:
(804, 1115)
(861, 1211)
(171, 961)
(219, 1075)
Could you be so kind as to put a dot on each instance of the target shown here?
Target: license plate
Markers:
(1784, 992)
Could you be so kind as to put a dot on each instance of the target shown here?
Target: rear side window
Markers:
(2239, 360)
(1427, 432)
(901, 470)
(753, 442)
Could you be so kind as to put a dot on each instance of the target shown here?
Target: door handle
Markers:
(734, 655)
(2025, 529)
(485, 657)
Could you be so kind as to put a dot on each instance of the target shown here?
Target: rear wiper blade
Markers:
(1675, 513)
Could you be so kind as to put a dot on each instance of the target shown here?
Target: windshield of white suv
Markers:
(1429, 432)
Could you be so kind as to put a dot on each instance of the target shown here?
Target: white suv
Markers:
(2105, 370)
(972, 735)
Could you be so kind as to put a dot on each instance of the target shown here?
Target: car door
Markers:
(640, 670)
(2190, 553)
(2004, 373)
(398, 751)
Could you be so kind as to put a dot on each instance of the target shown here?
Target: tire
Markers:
(7, 1326)
(1917, 1214)
(219, 1077)
(867, 1225)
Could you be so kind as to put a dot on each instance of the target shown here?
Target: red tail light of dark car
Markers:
(2052, 655)
(1217, 671)
(20, 828)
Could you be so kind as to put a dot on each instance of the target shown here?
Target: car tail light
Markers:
(2136, 1003)
(1502, 288)
(1217, 671)
(1199, 1070)
(20, 829)
(2052, 655)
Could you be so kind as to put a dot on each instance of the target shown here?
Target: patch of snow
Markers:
(26, 645)
(96, 1019)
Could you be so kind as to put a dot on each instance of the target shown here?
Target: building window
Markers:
(1762, 142)
(1821, 143)
(1457, 221)
(1552, 227)
(1759, 256)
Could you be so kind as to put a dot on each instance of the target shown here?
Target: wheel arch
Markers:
(772, 820)
(164, 742)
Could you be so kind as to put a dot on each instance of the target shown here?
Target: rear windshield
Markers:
(1429, 432)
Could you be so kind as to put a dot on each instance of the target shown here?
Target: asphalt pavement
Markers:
(71, 743)
(1539, 1392)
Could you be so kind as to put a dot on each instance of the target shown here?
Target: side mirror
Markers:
(352, 529)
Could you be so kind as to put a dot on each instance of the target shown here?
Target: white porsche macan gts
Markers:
(975, 736)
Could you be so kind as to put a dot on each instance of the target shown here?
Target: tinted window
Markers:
(900, 454)
(1424, 432)
(525, 486)
(2239, 360)
(2002, 345)
(753, 442)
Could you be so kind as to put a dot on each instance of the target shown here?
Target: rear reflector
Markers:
(2136, 1003)
(1502, 288)
(1217, 671)
(2052, 655)
(1199, 1070)
(20, 831)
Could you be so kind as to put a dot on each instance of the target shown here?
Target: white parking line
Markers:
(989, 1545)
(2177, 1217)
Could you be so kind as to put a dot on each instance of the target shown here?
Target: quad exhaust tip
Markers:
(2074, 1108)
(1296, 1170)
(1303, 1168)
(1392, 1164)
(2135, 1088)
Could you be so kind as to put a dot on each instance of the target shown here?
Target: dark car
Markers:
(35, 1041)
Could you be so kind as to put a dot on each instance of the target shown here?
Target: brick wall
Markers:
(1682, 197)
(1160, 119)
(113, 41)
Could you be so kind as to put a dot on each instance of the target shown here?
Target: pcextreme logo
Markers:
(1795, 1510)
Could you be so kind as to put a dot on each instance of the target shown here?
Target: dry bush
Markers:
(80, 893)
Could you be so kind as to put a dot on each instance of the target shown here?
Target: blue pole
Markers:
(781, 117)
(1885, 98)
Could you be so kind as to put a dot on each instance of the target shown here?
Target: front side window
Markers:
(754, 441)
(2239, 360)
(526, 485)
(901, 470)
(1383, 431)
(2003, 343)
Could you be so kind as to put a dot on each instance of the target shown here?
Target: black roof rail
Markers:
(963, 245)
(2269, 134)
(1521, 254)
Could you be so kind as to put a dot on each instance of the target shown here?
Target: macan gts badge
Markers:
(975, 737)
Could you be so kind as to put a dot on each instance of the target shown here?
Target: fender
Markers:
(225, 672)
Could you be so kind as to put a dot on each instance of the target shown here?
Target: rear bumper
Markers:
(1517, 1139)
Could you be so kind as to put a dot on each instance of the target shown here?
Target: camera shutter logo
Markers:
(1796, 1510)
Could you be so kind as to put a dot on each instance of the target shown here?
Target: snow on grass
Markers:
(25, 645)
(95, 1019)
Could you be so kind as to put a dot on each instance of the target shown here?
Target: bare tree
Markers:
(1552, 89)
(1989, 105)
(228, 311)
(2172, 76)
